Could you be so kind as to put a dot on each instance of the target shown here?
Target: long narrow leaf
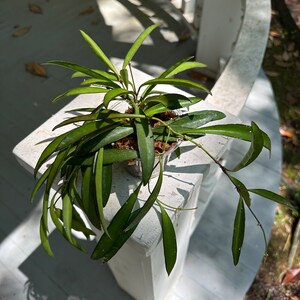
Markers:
(145, 144)
(174, 102)
(276, 198)
(48, 151)
(108, 75)
(44, 238)
(58, 224)
(187, 65)
(88, 196)
(116, 226)
(113, 94)
(99, 189)
(149, 203)
(106, 183)
(137, 44)
(80, 91)
(82, 70)
(169, 241)
(67, 215)
(117, 155)
(238, 231)
(165, 74)
(197, 119)
(176, 82)
(257, 144)
(98, 51)
(78, 133)
(105, 139)
(39, 184)
(239, 131)
(242, 190)
(100, 82)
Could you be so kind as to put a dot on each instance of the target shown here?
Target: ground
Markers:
(282, 65)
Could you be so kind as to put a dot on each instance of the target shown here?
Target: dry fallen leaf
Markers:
(294, 298)
(291, 275)
(87, 11)
(272, 73)
(286, 133)
(34, 8)
(36, 69)
(275, 33)
(21, 31)
(198, 76)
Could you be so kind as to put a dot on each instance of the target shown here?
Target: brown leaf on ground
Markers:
(286, 133)
(87, 11)
(275, 33)
(198, 76)
(36, 69)
(292, 275)
(34, 8)
(272, 73)
(21, 31)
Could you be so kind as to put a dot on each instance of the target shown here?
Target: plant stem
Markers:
(133, 83)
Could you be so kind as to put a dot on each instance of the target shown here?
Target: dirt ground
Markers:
(282, 65)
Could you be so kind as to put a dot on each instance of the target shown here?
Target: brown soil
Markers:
(282, 65)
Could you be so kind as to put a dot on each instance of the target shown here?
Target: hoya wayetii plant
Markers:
(81, 170)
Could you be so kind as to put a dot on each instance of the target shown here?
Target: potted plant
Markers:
(144, 125)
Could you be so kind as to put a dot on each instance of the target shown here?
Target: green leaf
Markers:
(39, 183)
(98, 51)
(197, 119)
(238, 231)
(124, 76)
(83, 118)
(105, 138)
(48, 151)
(100, 82)
(58, 224)
(276, 198)
(44, 238)
(80, 91)
(106, 183)
(113, 94)
(117, 155)
(83, 70)
(116, 227)
(257, 144)
(176, 82)
(239, 131)
(99, 189)
(137, 44)
(175, 101)
(241, 189)
(145, 145)
(186, 65)
(84, 130)
(104, 74)
(67, 215)
(149, 203)
(118, 243)
(165, 74)
(88, 196)
(169, 241)
(55, 168)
